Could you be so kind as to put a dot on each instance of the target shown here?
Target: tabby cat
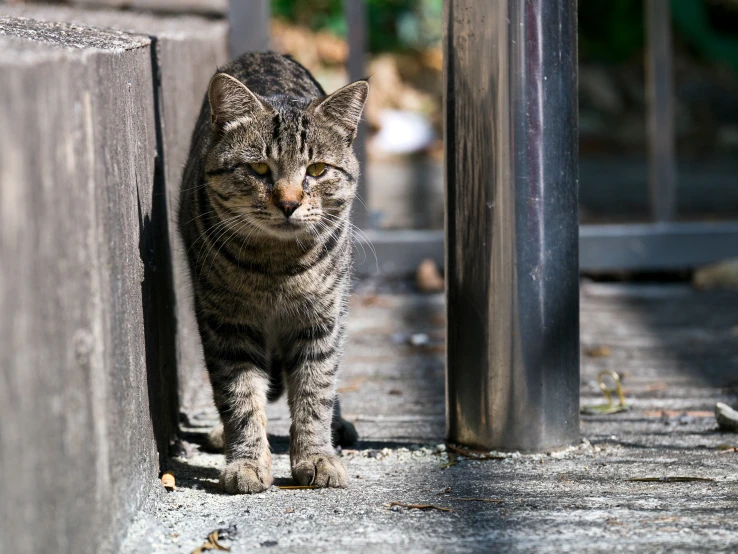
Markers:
(264, 214)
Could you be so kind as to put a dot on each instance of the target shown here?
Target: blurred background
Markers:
(404, 112)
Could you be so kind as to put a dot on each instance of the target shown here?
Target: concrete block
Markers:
(77, 163)
(188, 50)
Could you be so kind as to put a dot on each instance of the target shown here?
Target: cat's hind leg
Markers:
(215, 441)
(343, 432)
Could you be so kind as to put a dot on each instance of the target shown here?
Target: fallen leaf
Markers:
(600, 351)
(167, 480)
(428, 277)
(211, 543)
(369, 300)
(353, 386)
(721, 275)
(421, 507)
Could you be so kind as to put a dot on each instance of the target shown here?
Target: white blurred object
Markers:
(402, 132)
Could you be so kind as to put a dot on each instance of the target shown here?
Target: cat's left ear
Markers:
(343, 108)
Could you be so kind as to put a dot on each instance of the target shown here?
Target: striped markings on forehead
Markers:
(290, 134)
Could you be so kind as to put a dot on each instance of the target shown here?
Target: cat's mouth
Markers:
(290, 224)
(288, 228)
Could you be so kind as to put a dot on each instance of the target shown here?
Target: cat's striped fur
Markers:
(270, 258)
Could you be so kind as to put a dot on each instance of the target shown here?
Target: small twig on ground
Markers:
(296, 487)
(473, 454)
(452, 461)
(421, 507)
(670, 479)
(726, 448)
(495, 500)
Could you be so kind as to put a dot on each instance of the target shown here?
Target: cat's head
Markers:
(283, 166)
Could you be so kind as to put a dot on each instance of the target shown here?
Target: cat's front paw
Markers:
(246, 477)
(321, 471)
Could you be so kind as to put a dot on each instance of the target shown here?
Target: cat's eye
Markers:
(260, 168)
(316, 170)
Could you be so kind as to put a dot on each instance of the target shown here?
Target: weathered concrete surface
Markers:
(187, 51)
(676, 350)
(77, 153)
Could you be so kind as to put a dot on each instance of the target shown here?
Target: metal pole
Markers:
(510, 79)
(355, 13)
(249, 21)
(660, 106)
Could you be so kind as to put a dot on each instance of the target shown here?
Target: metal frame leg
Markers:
(512, 223)
(250, 26)
(355, 12)
(660, 107)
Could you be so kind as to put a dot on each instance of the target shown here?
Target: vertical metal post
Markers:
(510, 79)
(660, 106)
(250, 26)
(355, 13)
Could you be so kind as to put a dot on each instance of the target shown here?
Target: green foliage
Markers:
(393, 24)
(612, 31)
(691, 18)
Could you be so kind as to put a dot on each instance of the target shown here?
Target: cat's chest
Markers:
(280, 298)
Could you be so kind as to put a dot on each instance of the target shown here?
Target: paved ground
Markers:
(678, 353)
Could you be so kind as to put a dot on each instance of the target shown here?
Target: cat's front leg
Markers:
(240, 393)
(311, 384)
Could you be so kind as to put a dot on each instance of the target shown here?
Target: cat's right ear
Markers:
(230, 100)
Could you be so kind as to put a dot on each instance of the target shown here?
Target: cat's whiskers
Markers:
(245, 224)
(226, 225)
(360, 234)
(224, 229)
(209, 230)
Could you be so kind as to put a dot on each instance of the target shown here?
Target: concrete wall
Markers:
(187, 52)
(94, 129)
